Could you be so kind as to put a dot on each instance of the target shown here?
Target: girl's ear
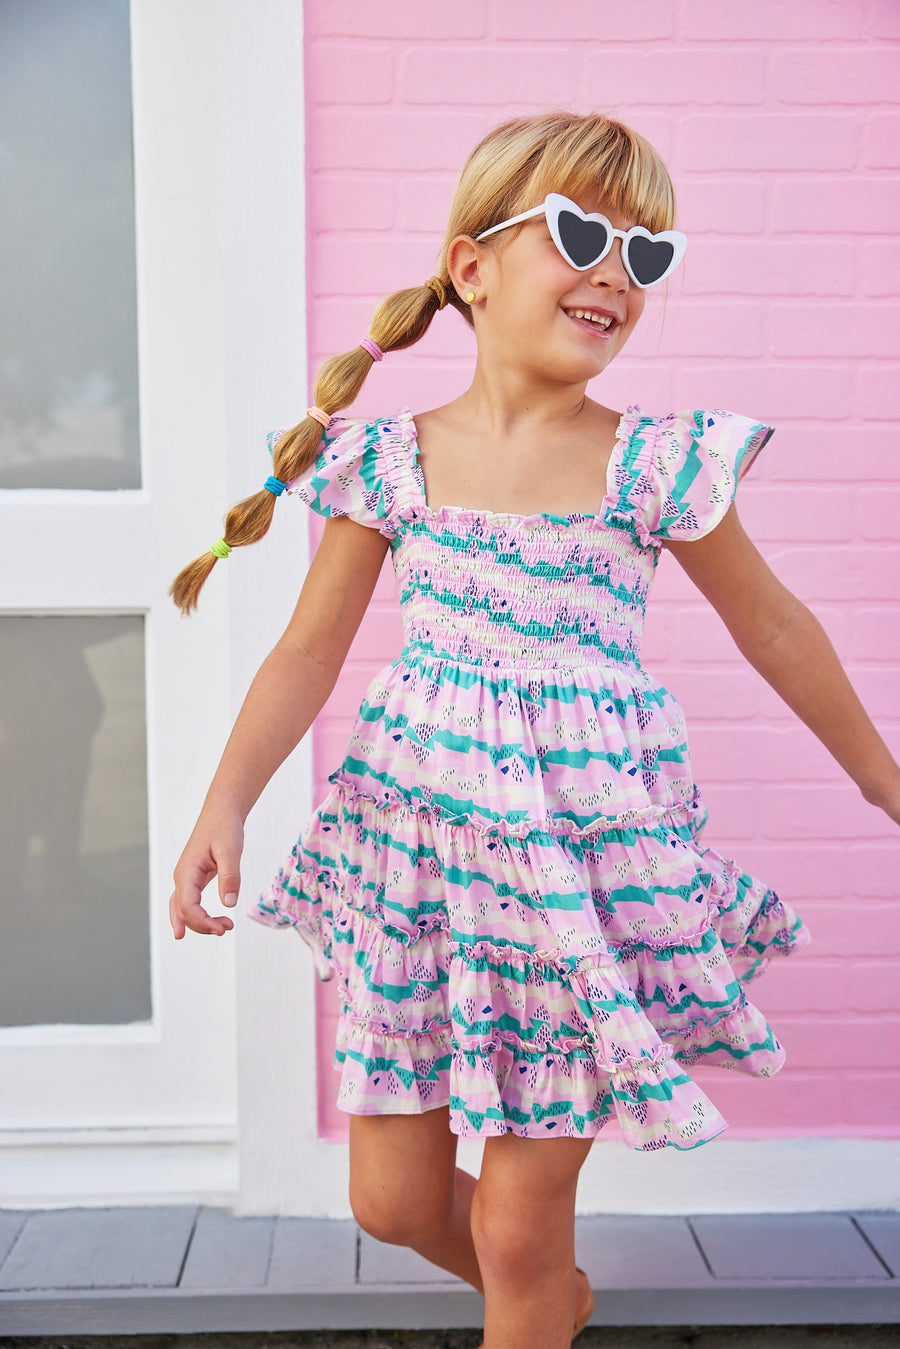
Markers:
(463, 263)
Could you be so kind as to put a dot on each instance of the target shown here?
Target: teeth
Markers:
(602, 321)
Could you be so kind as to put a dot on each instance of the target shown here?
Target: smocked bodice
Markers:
(512, 591)
(519, 592)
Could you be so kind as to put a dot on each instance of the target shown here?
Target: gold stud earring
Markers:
(469, 296)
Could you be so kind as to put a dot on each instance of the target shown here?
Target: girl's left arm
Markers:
(791, 650)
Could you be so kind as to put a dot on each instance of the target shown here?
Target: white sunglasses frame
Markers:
(554, 203)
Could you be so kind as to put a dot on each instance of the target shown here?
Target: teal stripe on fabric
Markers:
(497, 755)
(588, 1006)
(537, 689)
(463, 744)
(450, 875)
(492, 543)
(582, 757)
(569, 571)
(460, 744)
(663, 1090)
(460, 810)
(514, 1115)
(769, 1044)
(384, 1065)
(529, 1038)
(478, 1118)
(400, 992)
(504, 621)
(634, 894)
(690, 469)
(692, 1000)
(505, 624)
(579, 850)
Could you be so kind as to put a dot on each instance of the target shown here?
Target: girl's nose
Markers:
(610, 271)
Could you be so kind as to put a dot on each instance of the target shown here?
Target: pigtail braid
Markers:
(399, 321)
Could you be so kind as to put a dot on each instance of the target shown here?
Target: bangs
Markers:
(622, 172)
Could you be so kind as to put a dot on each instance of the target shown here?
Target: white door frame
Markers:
(148, 1112)
(284, 1166)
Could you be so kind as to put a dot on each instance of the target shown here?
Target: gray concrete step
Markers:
(134, 1271)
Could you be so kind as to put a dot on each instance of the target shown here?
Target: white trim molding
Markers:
(86, 1168)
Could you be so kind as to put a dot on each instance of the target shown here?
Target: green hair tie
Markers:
(220, 548)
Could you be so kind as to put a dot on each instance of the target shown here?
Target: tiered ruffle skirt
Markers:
(539, 976)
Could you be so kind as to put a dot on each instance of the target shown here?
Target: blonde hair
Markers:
(588, 158)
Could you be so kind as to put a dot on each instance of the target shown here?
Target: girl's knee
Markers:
(377, 1214)
(524, 1218)
(392, 1218)
(502, 1241)
(401, 1177)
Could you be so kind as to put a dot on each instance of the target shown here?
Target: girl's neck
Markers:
(507, 407)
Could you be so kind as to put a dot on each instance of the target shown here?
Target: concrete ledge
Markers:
(103, 1313)
(182, 1270)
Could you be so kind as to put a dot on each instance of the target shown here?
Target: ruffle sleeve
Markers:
(350, 474)
(675, 477)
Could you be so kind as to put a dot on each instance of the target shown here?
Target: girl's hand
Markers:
(214, 848)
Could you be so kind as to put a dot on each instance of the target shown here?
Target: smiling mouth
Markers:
(601, 322)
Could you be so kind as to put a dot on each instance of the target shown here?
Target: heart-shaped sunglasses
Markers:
(585, 240)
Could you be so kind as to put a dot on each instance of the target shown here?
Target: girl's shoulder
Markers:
(361, 469)
(675, 476)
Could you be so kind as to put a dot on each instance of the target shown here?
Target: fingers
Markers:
(214, 849)
(185, 908)
(229, 878)
(178, 926)
(184, 915)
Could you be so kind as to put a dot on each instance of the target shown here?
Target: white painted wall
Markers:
(148, 1112)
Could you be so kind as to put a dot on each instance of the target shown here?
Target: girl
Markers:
(506, 876)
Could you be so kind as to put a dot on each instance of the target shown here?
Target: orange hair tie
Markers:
(438, 290)
(319, 416)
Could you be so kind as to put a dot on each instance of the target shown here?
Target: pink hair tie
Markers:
(319, 416)
(372, 348)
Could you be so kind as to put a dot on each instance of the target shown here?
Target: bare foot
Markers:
(584, 1307)
(585, 1304)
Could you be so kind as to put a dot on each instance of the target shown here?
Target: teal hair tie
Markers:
(220, 548)
(275, 486)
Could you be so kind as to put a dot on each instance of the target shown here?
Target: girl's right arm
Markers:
(288, 692)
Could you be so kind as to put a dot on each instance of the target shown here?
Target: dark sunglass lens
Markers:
(584, 241)
(649, 259)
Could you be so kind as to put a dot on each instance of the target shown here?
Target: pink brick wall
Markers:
(781, 125)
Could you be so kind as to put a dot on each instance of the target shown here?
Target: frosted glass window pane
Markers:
(68, 334)
(74, 872)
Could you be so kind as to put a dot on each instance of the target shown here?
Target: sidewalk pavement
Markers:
(183, 1271)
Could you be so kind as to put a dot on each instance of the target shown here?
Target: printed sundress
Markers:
(506, 876)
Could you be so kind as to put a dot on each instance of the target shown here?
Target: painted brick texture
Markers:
(780, 122)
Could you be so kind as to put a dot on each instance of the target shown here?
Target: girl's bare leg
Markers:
(510, 1235)
(406, 1189)
(523, 1224)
